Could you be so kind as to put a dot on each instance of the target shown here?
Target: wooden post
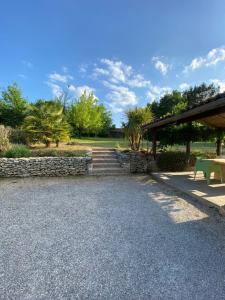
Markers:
(219, 140)
(154, 143)
(188, 148)
(218, 146)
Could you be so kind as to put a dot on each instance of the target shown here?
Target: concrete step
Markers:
(103, 149)
(106, 165)
(104, 160)
(103, 153)
(106, 156)
(110, 174)
(106, 169)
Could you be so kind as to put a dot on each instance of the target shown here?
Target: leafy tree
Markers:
(87, 117)
(46, 123)
(13, 106)
(168, 104)
(136, 118)
(199, 93)
(174, 103)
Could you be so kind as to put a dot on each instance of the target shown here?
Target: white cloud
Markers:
(65, 69)
(118, 72)
(100, 71)
(56, 89)
(219, 83)
(56, 77)
(27, 63)
(161, 66)
(22, 76)
(138, 81)
(83, 68)
(213, 57)
(156, 92)
(77, 91)
(121, 97)
(183, 86)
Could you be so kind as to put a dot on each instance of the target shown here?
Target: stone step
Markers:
(106, 165)
(110, 174)
(104, 160)
(103, 153)
(103, 149)
(106, 156)
(107, 169)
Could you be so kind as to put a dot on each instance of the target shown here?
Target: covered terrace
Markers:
(211, 112)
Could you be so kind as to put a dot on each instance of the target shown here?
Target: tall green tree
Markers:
(168, 104)
(87, 117)
(13, 106)
(174, 103)
(136, 118)
(46, 123)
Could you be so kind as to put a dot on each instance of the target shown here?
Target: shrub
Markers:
(17, 151)
(18, 136)
(173, 161)
(56, 153)
(4, 138)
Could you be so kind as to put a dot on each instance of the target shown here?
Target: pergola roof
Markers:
(211, 112)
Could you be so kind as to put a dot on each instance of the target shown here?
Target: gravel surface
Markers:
(108, 238)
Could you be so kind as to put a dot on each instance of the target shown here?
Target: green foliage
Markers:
(57, 153)
(173, 161)
(136, 118)
(17, 151)
(197, 94)
(18, 136)
(168, 104)
(178, 161)
(175, 103)
(13, 107)
(46, 123)
(4, 138)
(87, 117)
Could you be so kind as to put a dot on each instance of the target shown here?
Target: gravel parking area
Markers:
(108, 238)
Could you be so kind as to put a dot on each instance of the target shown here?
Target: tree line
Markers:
(170, 104)
(54, 120)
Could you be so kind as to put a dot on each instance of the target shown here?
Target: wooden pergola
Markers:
(211, 112)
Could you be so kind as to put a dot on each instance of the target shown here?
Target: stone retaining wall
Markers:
(44, 166)
(140, 163)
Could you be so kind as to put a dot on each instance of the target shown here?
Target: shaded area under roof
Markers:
(211, 112)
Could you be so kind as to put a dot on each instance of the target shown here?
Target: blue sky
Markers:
(128, 52)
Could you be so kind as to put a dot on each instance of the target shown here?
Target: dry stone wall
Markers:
(44, 166)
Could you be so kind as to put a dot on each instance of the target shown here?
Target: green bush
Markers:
(56, 153)
(17, 151)
(173, 161)
(23, 151)
(18, 136)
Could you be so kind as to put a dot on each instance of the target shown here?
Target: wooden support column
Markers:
(219, 140)
(154, 142)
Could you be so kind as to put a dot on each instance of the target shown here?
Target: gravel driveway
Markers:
(107, 238)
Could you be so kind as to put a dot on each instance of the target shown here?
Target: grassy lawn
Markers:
(198, 147)
(106, 142)
(102, 142)
(86, 143)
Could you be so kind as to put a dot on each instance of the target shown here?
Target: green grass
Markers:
(105, 142)
(124, 144)
(102, 142)
(198, 147)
